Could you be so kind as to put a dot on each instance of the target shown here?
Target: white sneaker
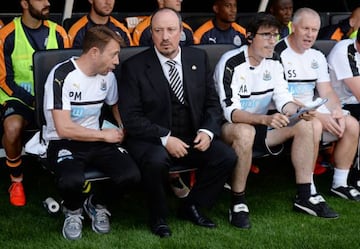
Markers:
(72, 228)
(99, 216)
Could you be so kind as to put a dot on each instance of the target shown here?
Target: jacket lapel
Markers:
(189, 75)
(157, 79)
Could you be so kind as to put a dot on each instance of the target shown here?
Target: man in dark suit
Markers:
(167, 127)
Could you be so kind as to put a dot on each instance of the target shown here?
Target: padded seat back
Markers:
(335, 18)
(325, 46)
(215, 51)
(196, 20)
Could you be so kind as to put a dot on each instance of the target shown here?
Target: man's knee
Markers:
(238, 132)
(128, 175)
(70, 183)
(352, 125)
(311, 128)
(13, 128)
(156, 159)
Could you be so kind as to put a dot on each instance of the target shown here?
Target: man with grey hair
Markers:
(308, 79)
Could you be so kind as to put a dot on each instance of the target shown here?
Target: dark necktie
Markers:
(175, 81)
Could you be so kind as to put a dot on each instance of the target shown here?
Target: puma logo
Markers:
(76, 85)
(212, 40)
(229, 69)
(59, 82)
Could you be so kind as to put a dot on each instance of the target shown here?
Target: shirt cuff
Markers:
(164, 139)
(209, 133)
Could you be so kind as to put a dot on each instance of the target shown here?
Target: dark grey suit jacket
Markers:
(145, 101)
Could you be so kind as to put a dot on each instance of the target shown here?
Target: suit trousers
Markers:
(215, 165)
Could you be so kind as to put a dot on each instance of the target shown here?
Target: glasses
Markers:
(269, 35)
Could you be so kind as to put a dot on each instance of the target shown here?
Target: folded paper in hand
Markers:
(309, 107)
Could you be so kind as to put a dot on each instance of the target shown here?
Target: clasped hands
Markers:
(178, 148)
(333, 123)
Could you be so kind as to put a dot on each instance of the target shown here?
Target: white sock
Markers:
(312, 186)
(340, 178)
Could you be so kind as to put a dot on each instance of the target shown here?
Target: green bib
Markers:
(22, 58)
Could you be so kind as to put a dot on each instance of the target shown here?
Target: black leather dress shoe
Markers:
(192, 214)
(161, 229)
